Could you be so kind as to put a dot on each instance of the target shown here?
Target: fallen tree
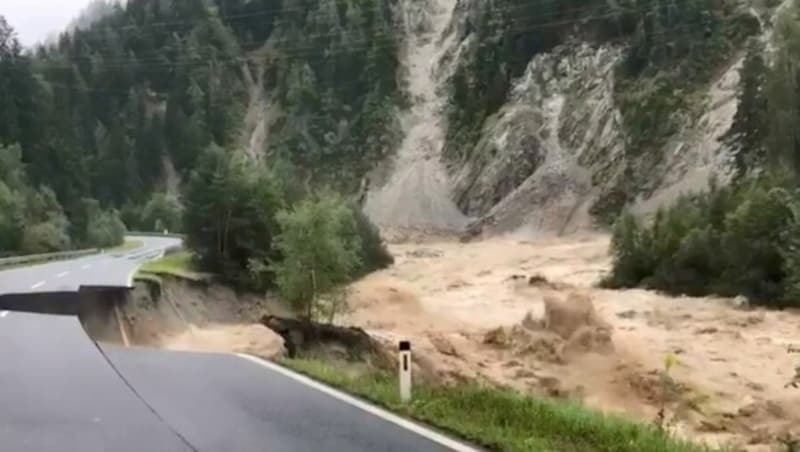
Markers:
(307, 337)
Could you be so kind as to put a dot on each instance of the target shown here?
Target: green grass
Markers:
(148, 277)
(127, 245)
(501, 419)
(179, 265)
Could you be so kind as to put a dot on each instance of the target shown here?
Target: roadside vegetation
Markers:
(500, 419)
(178, 265)
(32, 220)
(95, 121)
(259, 229)
(738, 240)
(741, 239)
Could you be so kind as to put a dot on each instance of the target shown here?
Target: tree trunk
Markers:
(225, 233)
(313, 301)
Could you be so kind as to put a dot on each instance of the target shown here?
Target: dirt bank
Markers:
(181, 315)
(473, 311)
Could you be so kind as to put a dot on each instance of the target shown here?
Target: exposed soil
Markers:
(416, 195)
(527, 315)
(190, 317)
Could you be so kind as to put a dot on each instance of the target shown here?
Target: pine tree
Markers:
(783, 93)
(750, 125)
(230, 214)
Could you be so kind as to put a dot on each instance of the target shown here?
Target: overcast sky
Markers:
(35, 20)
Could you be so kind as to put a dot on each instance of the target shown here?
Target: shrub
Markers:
(320, 253)
(47, 237)
(162, 211)
(632, 261)
(728, 241)
(373, 253)
(752, 245)
(105, 230)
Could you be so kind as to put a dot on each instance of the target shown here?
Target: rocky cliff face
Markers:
(555, 154)
(553, 147)
(557, 147)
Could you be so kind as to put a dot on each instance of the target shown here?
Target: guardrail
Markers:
(155, 234)
(45, 257)
(29, 259)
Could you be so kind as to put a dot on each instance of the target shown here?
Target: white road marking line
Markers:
(371, 409)
(3, 313)
(38, 284)
(86, 267)
(62, 274)
(121, 326)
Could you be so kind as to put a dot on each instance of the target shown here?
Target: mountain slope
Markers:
(585, 110)
(544, 117)
(417, 194)
(119, 108)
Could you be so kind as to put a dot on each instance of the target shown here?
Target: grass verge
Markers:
(178, 265)
(127, 245)
(148, 277)
(500, 419)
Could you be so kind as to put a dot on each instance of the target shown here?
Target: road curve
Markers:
(221, 402)
(58, 393)
(62, 392)
(112, 269)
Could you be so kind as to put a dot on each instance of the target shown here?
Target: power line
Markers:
(209, 14)
(268, 11)
(353, 48)
(616, 11)
(231, 60)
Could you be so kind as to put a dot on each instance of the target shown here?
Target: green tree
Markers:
(750, 125)
(753, 243)
(319, 254)
(738, 240)
(373, 254)
(783, 92)
(162, 211)
(630, 245)
(230, 215)
(45, 237)
(105, 230)
(12, 219)
(31, 221)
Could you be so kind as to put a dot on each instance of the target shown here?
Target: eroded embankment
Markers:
(188, 316)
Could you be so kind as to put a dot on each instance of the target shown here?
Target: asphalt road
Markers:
(220, 402)
(59, 394)
(114, 269)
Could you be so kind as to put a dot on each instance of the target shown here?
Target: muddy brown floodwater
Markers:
(472, 311)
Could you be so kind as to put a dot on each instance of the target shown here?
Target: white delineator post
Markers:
(405, 370)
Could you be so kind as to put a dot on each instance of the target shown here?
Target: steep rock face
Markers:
(556, 157)
(558, 147)
(698, 152)
(538, 155)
